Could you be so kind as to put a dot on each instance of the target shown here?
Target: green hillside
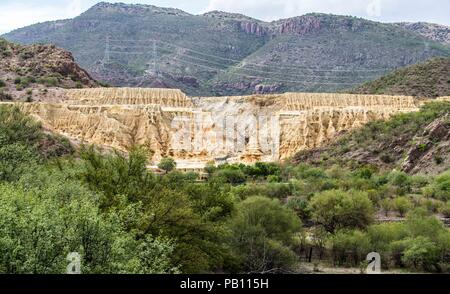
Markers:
(220, 53)
(413, 142)
(428, 79)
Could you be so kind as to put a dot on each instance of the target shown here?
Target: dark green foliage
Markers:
(23, 143)
(263, 233)
(337, 209)
(167, 164)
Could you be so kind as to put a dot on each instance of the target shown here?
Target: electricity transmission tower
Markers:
(106, 57)
(153, 64)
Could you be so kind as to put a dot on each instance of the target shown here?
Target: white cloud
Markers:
(16, 15)
(276, 9)
(380, 10)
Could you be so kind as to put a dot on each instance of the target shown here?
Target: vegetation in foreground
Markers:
(265, 218)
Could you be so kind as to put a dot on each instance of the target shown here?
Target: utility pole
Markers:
(155, 56)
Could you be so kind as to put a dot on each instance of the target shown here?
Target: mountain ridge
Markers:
(220, 53)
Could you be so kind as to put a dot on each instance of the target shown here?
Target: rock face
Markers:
(222, 129)
(435, 32)
(35, 72)
(433, 143)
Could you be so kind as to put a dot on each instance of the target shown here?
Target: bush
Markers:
(440, 188)
(445, 209)
(349, 247)
(5, 96)
(49, 81)
(338, 209)
(39, 231)
(231, 176)
(402, 205)
(301, 207)
(2, 83)
(167, 164)
(262, 235)
(420, 253)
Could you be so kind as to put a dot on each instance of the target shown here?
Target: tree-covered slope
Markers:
(220, 53)
(417, 142)
(428, 79)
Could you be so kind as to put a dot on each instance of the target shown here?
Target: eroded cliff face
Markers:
(222, 129)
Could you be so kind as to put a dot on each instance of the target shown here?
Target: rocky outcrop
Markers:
(299, 25)
(430, 146)
(201, 129)
(34, 72)
(253, 28)
(435, 32)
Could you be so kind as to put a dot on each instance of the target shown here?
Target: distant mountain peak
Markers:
(229, 15)
(435, 32)
(133, 9)
(221, 53)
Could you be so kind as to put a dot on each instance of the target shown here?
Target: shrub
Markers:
(5, 96)
(167, 164)
(262, 235)
(445, 209)
(49, 81)
(420, 253)
(47, 229)
(337, 209)
(402, 205)
(439, 188)
(231, 176)
(349, 247)
(301, 207)
(386, 205)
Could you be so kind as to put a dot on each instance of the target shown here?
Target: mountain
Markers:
(220, 53)
(37, 72)
(416, 142)
(435, 32)
(428, 79)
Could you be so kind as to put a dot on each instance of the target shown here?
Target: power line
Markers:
(106, 57)
(240, 68)
(268, 71)
(243, 61)
(259, 77)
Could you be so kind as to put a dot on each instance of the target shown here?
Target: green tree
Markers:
(336, 209)
(420, 253)
(349, 247)
(263, 234)
(445, 209)
(167, 164)
(38, 230)
(402, 205)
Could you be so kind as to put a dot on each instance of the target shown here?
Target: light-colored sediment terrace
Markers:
(197, 130)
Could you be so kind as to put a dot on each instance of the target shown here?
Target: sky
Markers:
(19, 13)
